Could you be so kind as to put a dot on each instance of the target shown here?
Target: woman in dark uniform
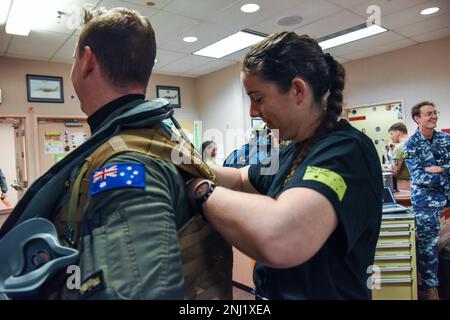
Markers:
(313, 224)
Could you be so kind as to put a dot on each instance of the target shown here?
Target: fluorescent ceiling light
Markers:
(350, 35)
(190, 39)
(26, 15)
(429, 11)
(19, 19)
(250, 8)
(4, 9)
(238, 41)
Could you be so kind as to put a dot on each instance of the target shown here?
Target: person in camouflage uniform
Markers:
(427, 155)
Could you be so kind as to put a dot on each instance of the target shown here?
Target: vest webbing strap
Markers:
(153, 142)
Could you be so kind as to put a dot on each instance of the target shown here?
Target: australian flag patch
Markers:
(117, 176)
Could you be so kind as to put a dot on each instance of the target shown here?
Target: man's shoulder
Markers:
(147, 160)
(413, 140)
(398, 150)
(161, 169)
(443, 135)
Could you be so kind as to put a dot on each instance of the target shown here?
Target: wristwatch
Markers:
(201, 194)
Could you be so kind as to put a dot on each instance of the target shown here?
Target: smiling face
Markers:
(290, 112)
(427, 120)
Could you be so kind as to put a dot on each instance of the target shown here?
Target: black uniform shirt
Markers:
(345, 168)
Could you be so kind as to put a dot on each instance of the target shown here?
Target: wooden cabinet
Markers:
(395, 259)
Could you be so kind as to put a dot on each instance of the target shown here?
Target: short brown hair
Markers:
(398, 126)
(123, 43)
(415, 111)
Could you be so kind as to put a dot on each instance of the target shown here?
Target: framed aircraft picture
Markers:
(172, 94)
(45, 89)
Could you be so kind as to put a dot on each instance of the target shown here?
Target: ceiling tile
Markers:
(212, 20)
(185, 64)
(378, 50)
(69, 20)
(412, 15)
(331, 24)
(436, 34)
(24, 56)
(159, 4)
(237, 56)
(166, 57)
(208, 68)
(4, 39)
(169, 26)
(37, 44)
(310, 11)
(428, 25)
(340, 59)
(233, 16)
(206, 32)
(348, 3)
(142, 8)
(65, 53)
(198, 9)
(375, 41)
(386, 6)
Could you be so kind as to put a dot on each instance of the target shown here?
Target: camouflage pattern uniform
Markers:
(430, 193)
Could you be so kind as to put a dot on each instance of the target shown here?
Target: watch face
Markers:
(202, 189)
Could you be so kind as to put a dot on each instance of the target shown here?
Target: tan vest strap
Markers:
(73, 210)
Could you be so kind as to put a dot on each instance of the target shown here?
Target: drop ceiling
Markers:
(212, 20)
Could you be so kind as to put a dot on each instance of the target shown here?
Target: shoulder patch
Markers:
(329, 178)
(117, 176)
(405, 155)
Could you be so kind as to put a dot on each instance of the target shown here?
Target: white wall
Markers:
(8, 160)
(413, 74)
(221, 105)
(14, 91)
(14, 96)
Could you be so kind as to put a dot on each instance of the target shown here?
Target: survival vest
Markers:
(206, 256)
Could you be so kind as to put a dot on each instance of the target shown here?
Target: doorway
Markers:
(13, 160)
(57, 137)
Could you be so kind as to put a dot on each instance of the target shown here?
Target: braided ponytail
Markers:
(285, 55)
(333, 110)
(335, 97)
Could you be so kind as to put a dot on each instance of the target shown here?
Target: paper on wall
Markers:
(53, 143)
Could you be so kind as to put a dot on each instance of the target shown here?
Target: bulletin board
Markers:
(375, 121)
(57, 137)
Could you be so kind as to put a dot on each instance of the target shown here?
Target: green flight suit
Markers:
(130, 234)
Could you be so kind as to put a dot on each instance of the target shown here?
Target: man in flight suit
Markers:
(131, 205)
